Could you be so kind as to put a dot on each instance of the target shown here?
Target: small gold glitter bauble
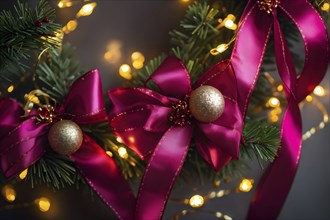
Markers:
(65, 137)
(206, 103)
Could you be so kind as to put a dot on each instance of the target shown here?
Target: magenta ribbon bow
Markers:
(140, 117)
(253, 34)
(23, 141)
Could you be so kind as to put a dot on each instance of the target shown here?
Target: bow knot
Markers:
(162, 124)
(268, 5)
(181, 115)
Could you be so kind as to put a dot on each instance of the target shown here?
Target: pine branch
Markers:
(54, 170)
(59, 71)
(262, 140)
(24, 33)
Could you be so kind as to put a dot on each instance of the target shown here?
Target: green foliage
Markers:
(21, 39)
(58, 71)
(53, 170)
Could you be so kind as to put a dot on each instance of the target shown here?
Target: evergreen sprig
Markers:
(59, 70)
(21, 37)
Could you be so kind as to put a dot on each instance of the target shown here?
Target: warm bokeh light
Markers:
(43, 204)
(64, 4)
(10, 89)
(119, 139)
(221, 48)
(122, 152)
(109, 153)
(137, 60)
(72, 25)
(309, 98)
(113, 53)
(125, 71)
(319, 91)
(86, 10)
(9, 193)
(246, 185)
(196, 201)
(325, 6)
(273, 102)
(280, 88)
(23, 174)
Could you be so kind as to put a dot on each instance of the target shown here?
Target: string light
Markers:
(23, 174)
(113, 53)
(43, 204)
(64, 4)
(325, 7)
(86, 10)
(10, 89)
(119, 139)
(308, 134)
(122, 152)
(280, 88)
(125, 71)
(109, 153)
(219, 49)
(273, 102)
(70, 26)
(319, 91)
(9, 193)
(309, 98)
(196, 201)
(246, 185)
(137, 60)
(228, 22)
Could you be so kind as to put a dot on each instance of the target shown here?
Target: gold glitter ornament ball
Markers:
(65, 137)
(206, 103)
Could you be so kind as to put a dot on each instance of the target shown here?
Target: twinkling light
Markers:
(109, 153)
(125, 71)
(137, 60)
(119, 139)
(23, 174)
(86, 10)
(219, 49)
(113, 53)
(10, 88)
(319, 91)
(273, 102)
(72, 25)
(9, 193)
(309, 98)
(196, 201)
(122, 152)
(64, 4)
(246, 185)
(280, 88)
(325, 6)
(43, 204)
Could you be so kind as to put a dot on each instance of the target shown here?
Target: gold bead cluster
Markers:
(268, 5)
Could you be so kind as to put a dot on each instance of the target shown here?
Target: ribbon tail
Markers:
(162, 170)
(276, 182)
(246, 57)
(102, 174)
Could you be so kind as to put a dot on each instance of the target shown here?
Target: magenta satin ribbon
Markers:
(141, 118)
(255, 28)
(23, 141)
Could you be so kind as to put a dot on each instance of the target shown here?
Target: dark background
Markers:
(143, 26)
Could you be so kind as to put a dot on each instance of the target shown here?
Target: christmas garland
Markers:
(139, 118)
